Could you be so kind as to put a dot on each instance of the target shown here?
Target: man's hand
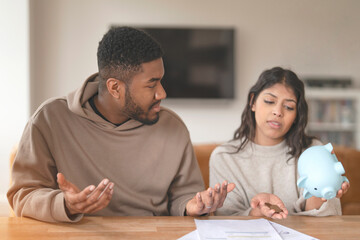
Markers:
(262, 205)
(89, 200)
(209, 200)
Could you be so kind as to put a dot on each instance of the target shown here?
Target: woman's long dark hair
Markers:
(296, 138)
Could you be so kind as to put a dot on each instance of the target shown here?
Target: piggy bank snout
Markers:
(328, 193)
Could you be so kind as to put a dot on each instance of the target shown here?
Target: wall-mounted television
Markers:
(199, 62)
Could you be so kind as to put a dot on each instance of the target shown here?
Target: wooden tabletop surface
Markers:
(324, 228)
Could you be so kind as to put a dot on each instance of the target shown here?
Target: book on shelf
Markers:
(331, 111)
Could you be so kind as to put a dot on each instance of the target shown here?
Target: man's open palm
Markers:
(90, 199)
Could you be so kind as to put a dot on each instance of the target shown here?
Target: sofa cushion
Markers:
(350, 159)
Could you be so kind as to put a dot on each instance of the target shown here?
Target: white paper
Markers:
(236, 229)
(243, 229)
(288, 233)
(190, 236)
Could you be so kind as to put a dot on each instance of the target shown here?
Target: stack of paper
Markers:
(243, 229)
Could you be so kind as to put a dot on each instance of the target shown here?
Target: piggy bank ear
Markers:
(301, 181)
(306, 194)
(329, 147)
(339, 168)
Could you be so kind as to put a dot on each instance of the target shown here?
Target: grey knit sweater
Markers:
(258, 169)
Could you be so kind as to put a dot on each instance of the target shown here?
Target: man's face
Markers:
(145, 92)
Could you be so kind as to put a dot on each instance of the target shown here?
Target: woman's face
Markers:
(275, 112)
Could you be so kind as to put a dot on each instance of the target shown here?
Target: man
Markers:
(112, 127)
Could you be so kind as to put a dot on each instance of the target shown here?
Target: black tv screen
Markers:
(199, 62)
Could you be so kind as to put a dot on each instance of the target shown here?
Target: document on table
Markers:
(190, 236)
(236, 229)
(244, 230)
(288, 233)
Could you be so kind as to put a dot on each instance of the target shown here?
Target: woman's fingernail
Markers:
(106, 181)
(92, 188)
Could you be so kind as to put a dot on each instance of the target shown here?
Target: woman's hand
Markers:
(316, 203)
(268, 205)
(344, 188)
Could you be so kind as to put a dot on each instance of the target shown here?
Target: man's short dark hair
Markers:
(121, 52)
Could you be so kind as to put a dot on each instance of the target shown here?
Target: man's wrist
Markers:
(68, 213)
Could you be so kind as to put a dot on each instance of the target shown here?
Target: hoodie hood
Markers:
(78, 103)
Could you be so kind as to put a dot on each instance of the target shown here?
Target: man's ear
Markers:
(115, 87)
(251, 103)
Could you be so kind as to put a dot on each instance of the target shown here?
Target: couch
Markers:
(349, 157)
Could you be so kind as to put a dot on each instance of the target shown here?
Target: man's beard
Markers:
(136, 112)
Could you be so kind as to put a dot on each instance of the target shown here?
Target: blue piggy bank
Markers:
(320, 172)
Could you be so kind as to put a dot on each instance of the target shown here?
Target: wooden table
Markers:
(334, 227)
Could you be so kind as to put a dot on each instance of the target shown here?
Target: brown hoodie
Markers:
(153, 166)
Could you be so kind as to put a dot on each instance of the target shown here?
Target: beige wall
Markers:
(14, 97)
(311, 37)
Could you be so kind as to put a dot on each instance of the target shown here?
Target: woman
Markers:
(262, 157)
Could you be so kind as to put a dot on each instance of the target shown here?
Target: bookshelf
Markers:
(334, 115)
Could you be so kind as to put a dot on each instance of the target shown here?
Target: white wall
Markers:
(311, 37)
(14, 97)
